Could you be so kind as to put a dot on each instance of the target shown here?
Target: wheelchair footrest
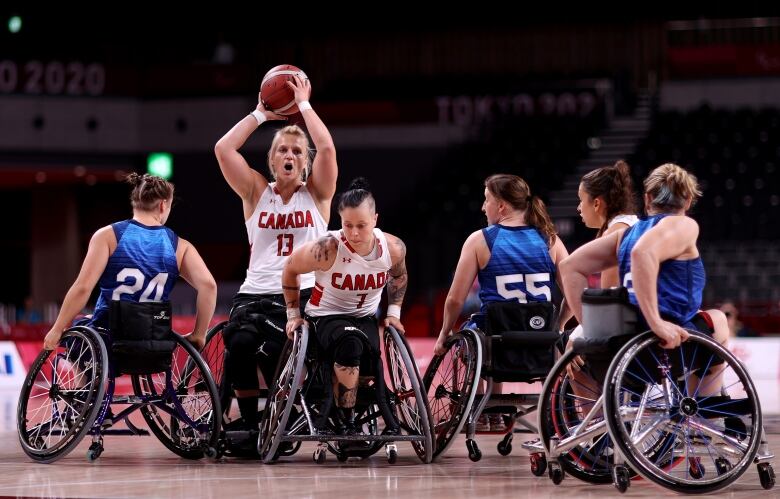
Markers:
(139, 433)
(508, 402)
(353, 438)
(126, 399)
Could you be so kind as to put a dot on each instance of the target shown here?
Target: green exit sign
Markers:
(160, 164)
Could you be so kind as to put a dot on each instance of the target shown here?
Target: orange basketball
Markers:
(275, 94)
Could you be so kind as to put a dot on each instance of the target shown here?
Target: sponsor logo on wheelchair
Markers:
(537, 322)
(163, 315)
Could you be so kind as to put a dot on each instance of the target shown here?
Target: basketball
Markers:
(275, 94)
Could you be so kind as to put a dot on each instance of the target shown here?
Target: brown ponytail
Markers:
(148, 190)
(515, 191)
(614, 185)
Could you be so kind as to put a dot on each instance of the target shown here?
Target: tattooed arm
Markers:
(396, 282)
(316, 255)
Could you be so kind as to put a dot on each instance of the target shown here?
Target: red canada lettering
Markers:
(294, 220)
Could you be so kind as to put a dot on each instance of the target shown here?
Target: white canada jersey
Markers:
(352, 286)
(275, 229)
(629, 220)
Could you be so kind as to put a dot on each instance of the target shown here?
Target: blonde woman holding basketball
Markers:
(281, 212)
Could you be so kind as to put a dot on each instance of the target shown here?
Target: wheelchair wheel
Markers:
(451, 382)
(407, 394)
(214, 355)
(564, 403)
(62, 395)
(283, 394)
(705, 436)
(184, 411)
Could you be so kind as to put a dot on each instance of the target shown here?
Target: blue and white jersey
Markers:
(520, 267)
(142, 268)
(680, 282)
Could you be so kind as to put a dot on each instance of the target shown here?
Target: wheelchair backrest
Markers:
(141, 337)
(507, 316)
(607, 313)
(520, 340)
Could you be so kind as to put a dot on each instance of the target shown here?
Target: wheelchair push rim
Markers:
(703, 442)
(406, 391)
(451, 393)
(62, 395)
(185, 412)
(283, 394)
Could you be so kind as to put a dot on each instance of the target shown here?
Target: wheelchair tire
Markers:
(189, 392)
(213, 354)
(684, 419)
(58, 405)
(451, 382)
(405, 386)
(283, 394)
(559, 416)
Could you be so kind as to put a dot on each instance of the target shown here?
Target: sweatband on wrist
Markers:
(303, 106)
(394, 311)
(293, 313)
(260, 117)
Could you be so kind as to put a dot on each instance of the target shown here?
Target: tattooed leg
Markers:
(345, 384)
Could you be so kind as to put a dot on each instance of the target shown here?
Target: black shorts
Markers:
(264, 314)
(329, 329)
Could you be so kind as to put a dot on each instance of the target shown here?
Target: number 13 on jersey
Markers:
(284, 244)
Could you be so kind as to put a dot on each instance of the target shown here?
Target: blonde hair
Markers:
(295, 131)
(670, 187)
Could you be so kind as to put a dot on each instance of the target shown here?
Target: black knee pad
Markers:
(240, 362)
(348, 351)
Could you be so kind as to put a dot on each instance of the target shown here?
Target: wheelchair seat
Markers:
(69, 392)
(518, 344)
(304, 381)
(520, 341)
(688, 418)
(141, 338)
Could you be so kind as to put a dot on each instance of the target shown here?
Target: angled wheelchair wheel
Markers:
(213, 354)
(183, 409)
(695, 406)
(62, 395)
(451, 382)
(283, 394)
(407, 394)
(568, 398)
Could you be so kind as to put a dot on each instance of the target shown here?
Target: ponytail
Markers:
(515, 191)
(148, 191)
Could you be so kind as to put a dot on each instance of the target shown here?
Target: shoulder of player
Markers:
(326, 246)
(396, 246)
(678, 222)
(475, 241)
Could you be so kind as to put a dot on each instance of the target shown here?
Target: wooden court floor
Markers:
(142, 467)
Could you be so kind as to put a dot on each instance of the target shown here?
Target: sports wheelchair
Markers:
(519, 345)
(69, 392)
(688, 418)
(300, 405)
(235, 440)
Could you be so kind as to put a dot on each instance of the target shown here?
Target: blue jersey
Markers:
(520, 267)
(142, 268)
(680, 282)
